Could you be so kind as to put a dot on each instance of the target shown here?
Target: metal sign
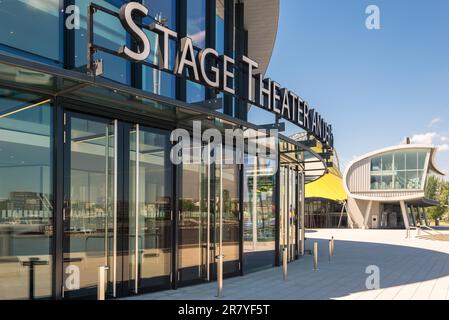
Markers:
(210, 69)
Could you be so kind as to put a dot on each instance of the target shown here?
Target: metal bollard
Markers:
(333, 246)
(220, 275)
(315, 256)
(407, 233)
(284, 262)
(101, 287)
(419, 230)
(330, 250)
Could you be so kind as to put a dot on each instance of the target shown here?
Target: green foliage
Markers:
(440, 192)
(432, 188)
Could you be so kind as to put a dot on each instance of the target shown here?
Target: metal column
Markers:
(425, 217)
(419, 215)
(412, 211)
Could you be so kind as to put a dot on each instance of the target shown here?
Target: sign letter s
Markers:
(128, 23)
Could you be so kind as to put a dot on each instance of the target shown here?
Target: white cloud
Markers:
(431, 138)
(434, 121)
(443, 147)
(425, 138)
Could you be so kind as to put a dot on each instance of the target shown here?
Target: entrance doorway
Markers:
(90, 213)
(289, 220)
(209, 219)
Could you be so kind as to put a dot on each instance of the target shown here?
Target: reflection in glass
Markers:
(110, 34)
(219, 26)
(154, 205)
(196, 22)
(399, 161)
(258, 214)
(376, 164)
(156, 81)
(18, 27)
(196, 30)
(398, 170)
(387, 162)
(231, 225)
(376, 182)
(89, 231)
(26, 196)
(196, 223)
(411, 159)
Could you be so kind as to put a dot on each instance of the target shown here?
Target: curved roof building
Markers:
(386, 188)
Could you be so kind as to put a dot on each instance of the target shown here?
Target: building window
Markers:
(32, 26)
(258, 214)
(398, 171)
(196, 30)
(110, 34)
(26, 200)
(153, 80)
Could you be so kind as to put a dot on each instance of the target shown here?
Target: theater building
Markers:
(387, 189)
(90, 95)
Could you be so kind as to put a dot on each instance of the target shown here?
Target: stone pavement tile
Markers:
(410, 269)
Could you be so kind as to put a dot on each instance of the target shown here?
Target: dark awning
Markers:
(19, 74)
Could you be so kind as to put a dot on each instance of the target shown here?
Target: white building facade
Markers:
(387, 188)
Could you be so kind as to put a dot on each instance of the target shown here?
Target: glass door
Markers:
(150, 211)
(209, 220)
(288, 211)
(197, 228)
(90, 214)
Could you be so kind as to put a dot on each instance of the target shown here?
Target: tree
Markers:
(441, 194)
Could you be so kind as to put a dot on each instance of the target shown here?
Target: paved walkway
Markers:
(409, 269)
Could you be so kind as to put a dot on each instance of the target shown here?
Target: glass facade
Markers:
(110, 34)
(398, 171)
(26, 196)
(100, 188)
(150, 222)
(153, 80)
(18, 28)
(196, 30)
(259, 218)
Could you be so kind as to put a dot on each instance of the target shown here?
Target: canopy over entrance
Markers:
(56, 82)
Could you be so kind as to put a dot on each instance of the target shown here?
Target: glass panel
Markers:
(292, 217)
(19, 29)
(376, 164)
(196, 30)
(219, 26)
(193, 229)
(110, 34)
(231, 221)
(420, 179)
(376, 182)
(195, 92)
(154, 216)
(26, 196)
(258, 214)
(399, 161)
(196, 22)
(411, 160)
(387, 182)
(387, 162)
(412, 180)
(399, 182)
(89, 230)
(422, 160)
(155, 81)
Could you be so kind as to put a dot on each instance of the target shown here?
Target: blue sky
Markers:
(375, 86)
